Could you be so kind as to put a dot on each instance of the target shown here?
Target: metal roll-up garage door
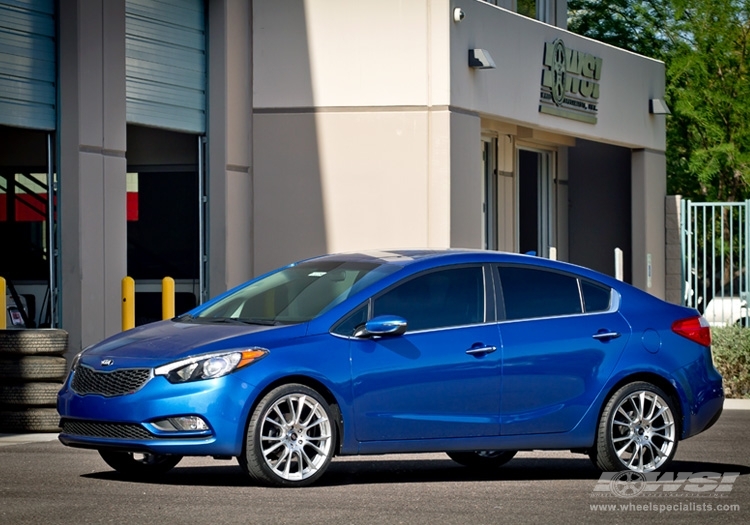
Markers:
(165, 46)
(27, 64)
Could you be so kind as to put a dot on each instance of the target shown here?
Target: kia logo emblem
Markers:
(107, 362)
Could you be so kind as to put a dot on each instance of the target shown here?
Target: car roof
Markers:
(406, 257)
(409, 257)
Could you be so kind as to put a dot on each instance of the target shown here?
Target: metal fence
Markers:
(716, 259)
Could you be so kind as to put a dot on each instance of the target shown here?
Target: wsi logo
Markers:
(628, 484)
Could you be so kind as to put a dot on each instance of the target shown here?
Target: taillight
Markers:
(694, 328)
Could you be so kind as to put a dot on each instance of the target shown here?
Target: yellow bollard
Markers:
(3, 306)
(167, 298)
(128, 303)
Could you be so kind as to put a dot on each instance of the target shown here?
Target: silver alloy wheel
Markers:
(295, 437)
(643, 431)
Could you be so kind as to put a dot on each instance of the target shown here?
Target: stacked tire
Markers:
(32, 371)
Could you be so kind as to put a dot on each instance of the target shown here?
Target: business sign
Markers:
(570, 83)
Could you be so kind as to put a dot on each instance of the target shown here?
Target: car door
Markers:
(561, 337)
(441, 379)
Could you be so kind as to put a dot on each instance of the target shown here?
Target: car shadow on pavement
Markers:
(367, 472)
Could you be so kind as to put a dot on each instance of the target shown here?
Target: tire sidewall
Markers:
(34, 341)
(607, 458)
(252, 459)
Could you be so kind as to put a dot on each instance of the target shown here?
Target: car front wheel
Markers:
(637, 430)
(139, 465)
(291, 437)
(482, 458)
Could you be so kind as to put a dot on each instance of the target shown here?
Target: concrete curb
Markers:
(19, 439)
(737, 404)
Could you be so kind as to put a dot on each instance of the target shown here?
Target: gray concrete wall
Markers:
(230, 148)
(649, 191)
(675, 279)
(92, 168)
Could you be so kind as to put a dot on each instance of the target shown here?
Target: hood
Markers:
(165, 341)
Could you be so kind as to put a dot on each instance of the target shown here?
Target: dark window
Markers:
(596, 298)
(452, 297)
(163, 226)
(352, 322)
(530, 293)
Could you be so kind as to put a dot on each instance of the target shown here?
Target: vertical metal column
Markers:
(51, 235)
(202, 200)
(746, 264)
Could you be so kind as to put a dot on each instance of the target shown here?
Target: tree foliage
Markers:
(705, 45)
(639, 26)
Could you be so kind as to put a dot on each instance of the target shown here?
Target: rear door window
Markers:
(529, 293)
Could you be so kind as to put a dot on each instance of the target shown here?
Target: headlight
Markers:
(209, 366)
(77, 359)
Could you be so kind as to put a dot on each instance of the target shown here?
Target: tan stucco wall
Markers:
(343, 188)
(343, 53)
(368, 122)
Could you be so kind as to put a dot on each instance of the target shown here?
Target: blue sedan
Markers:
(478, 354)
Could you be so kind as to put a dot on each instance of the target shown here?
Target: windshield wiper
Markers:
(240, 320)
(263, 322)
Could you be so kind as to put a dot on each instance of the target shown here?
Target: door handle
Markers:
(606, 336)
(481, 350)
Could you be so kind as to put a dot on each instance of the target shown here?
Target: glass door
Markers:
(536, 202)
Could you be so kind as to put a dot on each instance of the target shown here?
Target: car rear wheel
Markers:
(637, 430)
(291, 437)
(482, 458)
(139, 465)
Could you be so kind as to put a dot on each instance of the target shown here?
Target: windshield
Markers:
(296, 294)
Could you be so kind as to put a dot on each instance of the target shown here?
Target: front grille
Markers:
(104, 430)
(116, 383)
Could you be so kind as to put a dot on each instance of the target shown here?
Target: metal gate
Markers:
(716, 259)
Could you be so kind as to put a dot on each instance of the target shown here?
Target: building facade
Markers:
(402, 136)
(212, 141)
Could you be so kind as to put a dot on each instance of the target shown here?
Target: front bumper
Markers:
(126, 422)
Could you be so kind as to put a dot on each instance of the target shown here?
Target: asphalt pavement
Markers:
(41, 481)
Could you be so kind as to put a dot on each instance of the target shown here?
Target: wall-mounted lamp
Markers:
(458, 14)
(657, 106)
(480, 59)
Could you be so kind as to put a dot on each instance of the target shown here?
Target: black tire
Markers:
(638, 430)
(30, 420)
(30, 394)
(34, 368)
(139, 465)
(305, 438)
(482, 458)
(45, 341)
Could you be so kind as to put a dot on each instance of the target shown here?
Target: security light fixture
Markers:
(480, 59)
(657, 106)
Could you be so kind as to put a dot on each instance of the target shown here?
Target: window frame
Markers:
(614, 296)
(489, 289)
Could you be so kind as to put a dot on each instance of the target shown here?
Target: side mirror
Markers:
(381, 326)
